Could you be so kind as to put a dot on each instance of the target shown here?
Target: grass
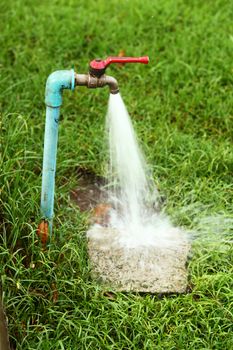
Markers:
(182, 109)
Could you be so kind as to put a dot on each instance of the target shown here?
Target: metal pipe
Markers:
(93, 82)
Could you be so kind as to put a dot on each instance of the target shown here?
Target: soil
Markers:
(90, 191)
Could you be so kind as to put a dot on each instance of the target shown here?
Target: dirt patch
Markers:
(90, 190)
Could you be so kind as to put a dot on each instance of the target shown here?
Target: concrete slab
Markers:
(142, 269)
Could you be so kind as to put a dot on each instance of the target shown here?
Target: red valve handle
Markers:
(110, 60)
(103, 64)
(98, 66)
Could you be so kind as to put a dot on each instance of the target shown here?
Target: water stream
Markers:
(132, 193)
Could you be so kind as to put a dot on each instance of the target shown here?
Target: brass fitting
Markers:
(93, 82)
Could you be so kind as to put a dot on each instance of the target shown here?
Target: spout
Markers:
(113, 84)
(93, 82)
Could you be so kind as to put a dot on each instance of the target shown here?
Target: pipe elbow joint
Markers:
(112, 84)
(56, 83)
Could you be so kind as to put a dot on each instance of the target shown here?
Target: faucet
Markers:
(97, 78)
(56, 83)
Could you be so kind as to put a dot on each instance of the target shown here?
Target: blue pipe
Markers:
(56, 83)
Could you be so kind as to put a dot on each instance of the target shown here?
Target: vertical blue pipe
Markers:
(56, 82)
(49, 163)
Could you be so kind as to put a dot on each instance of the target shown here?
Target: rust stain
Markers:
(43, 232)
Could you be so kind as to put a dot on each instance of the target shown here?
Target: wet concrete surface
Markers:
(142, 269)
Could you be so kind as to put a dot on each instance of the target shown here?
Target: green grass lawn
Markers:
(181, 105)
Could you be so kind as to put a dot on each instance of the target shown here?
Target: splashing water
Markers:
(133, 195)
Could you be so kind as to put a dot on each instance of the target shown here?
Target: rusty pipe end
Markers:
(43, 232)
